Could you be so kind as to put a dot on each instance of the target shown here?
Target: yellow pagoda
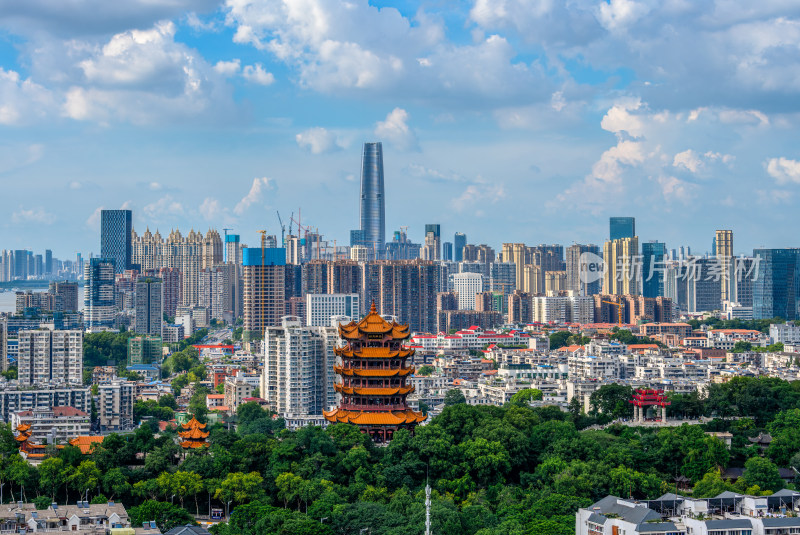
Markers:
(193, 435)
(28, 449)
(373, 375)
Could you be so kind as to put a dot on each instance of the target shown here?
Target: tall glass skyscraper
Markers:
(459, 242)
(776, 287)
(373, 210)
(115, 237)
(653, 265)
(98, 297)
(621, 227)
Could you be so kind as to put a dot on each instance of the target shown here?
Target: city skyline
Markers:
(219, 116)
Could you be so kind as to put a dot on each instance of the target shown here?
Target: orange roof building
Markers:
(193, 435)
(27, 448)
(86, 443)
(373, 374)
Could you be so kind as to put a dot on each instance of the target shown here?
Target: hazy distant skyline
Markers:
(508, 120)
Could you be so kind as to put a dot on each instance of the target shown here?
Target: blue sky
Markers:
(509, 120)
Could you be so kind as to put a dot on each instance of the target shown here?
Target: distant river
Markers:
(8, 300)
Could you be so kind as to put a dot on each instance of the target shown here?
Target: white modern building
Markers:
(50, 357)
(320, 308)
(116, 405)
(56, 424)
(549, 309)
(786, 333)
(467, 285)
(297, 368)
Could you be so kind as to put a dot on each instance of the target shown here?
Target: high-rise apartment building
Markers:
(653, 264)
(320, 308)
(555, 282)
(723, 250)
(214, 288)
(116, 405)
(621, 227)
(3, 343)
(520, 307)
(466, 285)
(516, 253)
(68, 292)
(586, 285)
(144, 350)
(189, 254)
(149, 307)
(459, 242)
(233, 249)
(622, 273)
(172, 282)
(116, 228)
(264, 299)
(405, 289)
(99, 294)
(296, 369)
(502, 277)
(776, 290)
(50, 357)
(372, 233)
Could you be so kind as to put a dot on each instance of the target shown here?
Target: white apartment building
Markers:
(580, 309)
(50, 357)
(236, 390)
(549, 309)
(54, 423)
(467, 285)
(297, 368)
(785, 333)
(592, 367)
(320, 308)
(116, 405)
(14, 400)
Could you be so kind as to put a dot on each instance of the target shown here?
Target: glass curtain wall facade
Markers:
(653, 254)
(116, 227)
(621, 227)
(776, 288)
(373, 210)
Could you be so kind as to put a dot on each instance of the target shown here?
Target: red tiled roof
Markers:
(68, 411)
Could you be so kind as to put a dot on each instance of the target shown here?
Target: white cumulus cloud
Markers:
(257, 190)
(783, 170)
(395, 129)
(318, 140)
(257, 75)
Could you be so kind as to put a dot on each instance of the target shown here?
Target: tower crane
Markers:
(283, 229)
(619, 310)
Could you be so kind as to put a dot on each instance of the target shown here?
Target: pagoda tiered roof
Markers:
(373, 391)
(373, 352)
(193, 434)
(360, 372)
(373, 323)
(407, 416)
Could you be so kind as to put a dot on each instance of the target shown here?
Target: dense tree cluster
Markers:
(493, 470)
